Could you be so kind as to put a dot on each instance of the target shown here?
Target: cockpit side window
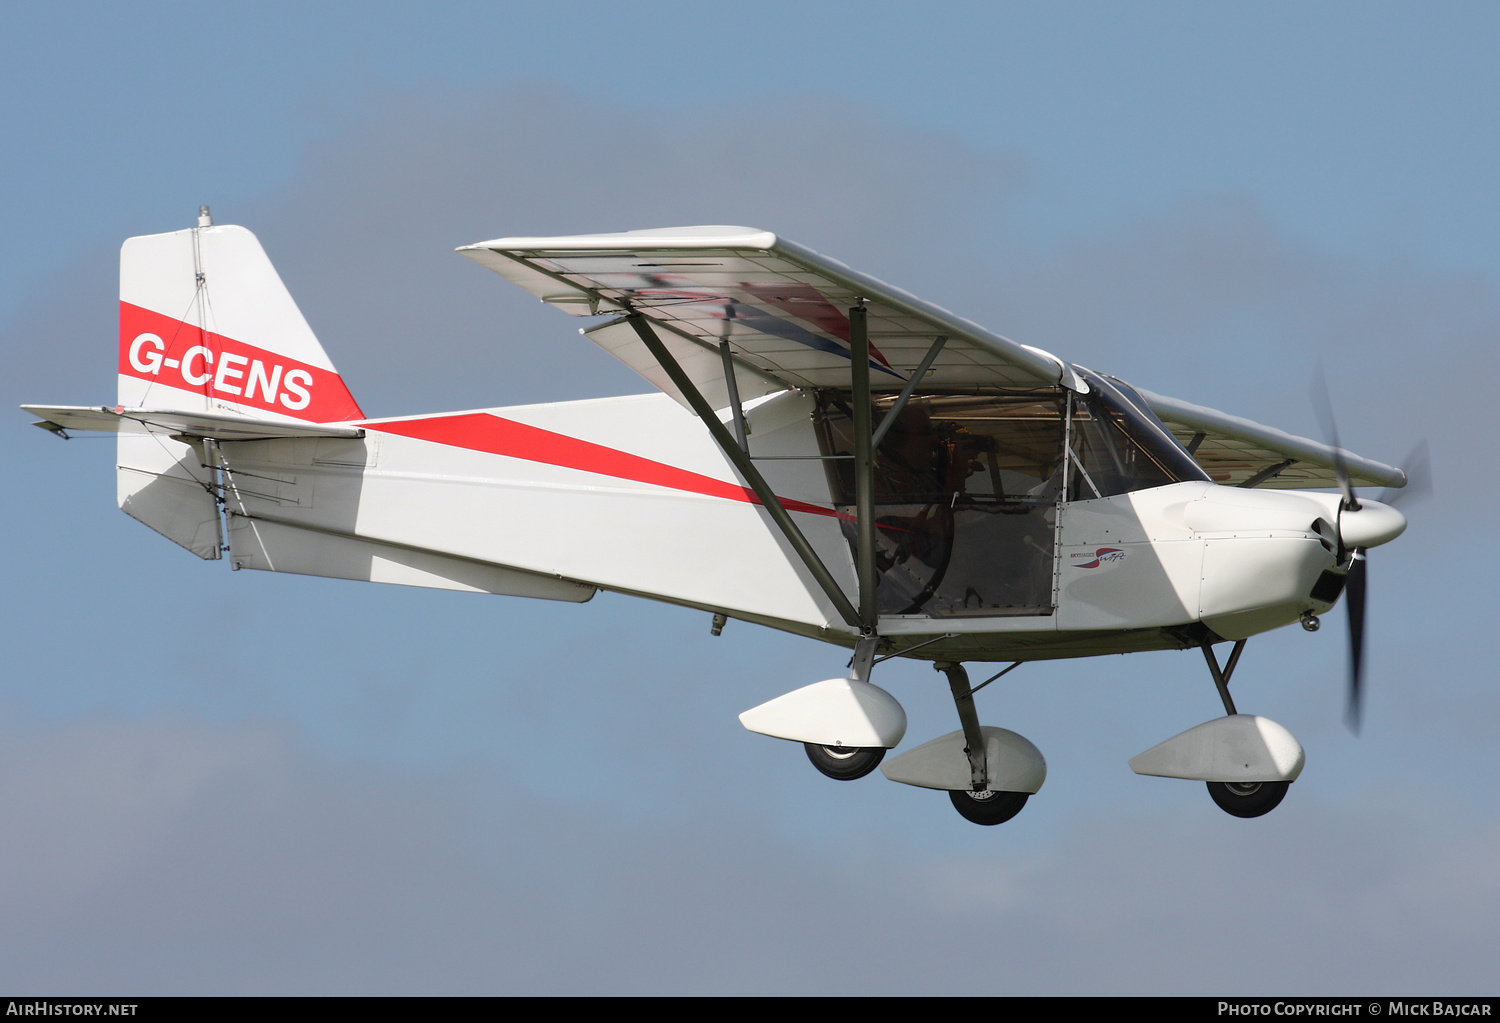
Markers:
(966, 492)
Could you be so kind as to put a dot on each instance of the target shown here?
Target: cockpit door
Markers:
(966, 498)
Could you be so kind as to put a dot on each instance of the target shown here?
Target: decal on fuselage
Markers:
(1101, 556)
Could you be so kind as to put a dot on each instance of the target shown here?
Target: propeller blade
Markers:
(1323, 406)
(1354, 597)
(1418, 469)
(1356, 583)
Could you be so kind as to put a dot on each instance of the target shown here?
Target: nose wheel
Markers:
(1247, 798)
(844, 763)
(1247, 761)
(1241, 798)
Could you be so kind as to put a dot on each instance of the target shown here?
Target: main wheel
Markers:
(1247, 798)
(987, 808)
(844, 763)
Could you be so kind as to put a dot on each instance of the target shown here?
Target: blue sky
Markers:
(253, 783)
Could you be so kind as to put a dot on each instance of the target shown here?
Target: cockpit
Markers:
(968, 486)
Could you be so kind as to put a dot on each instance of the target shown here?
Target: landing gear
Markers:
(1244, 798)
(1247, 798)
(987, 808)
(844, 763)
(979, 803)
(1247, 761)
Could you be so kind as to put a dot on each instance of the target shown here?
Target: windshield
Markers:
(1118, 445)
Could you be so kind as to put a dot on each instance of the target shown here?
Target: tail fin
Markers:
(207, 326)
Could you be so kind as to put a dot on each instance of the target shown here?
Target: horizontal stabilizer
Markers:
(179, 423)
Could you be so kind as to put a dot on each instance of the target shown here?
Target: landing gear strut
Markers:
(1223, 675)
(978, 803)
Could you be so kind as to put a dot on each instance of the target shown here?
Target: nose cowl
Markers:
(1371, 525)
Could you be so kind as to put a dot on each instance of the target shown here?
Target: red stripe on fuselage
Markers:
(480, 431)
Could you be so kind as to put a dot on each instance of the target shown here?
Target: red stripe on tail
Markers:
(164, 350)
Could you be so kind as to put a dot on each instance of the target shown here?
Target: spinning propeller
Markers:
(1361, 525)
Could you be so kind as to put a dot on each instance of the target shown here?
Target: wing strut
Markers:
(746, 468)
(734, 396)
(1269, 472)
(891, 415)
(864, 469)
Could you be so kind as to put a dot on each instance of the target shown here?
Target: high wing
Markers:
(783, 311)
(1239, 452)
(782, 308)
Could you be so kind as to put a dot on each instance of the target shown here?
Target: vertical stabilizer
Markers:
(207, 326)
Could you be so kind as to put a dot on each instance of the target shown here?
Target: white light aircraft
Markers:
(828, 455)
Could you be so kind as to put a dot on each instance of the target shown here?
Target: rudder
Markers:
(206, 325)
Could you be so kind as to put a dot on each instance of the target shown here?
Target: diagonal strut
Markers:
(747, 470)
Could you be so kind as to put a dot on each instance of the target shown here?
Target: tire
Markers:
(988, 808)
(1247, 799)
(844, 763)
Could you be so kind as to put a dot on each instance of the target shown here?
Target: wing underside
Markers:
(782, 309)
